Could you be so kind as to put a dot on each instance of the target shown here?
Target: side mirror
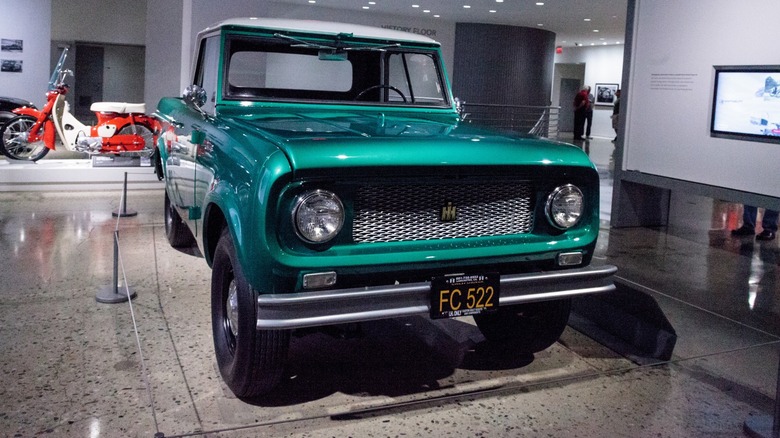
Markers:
(460, 108)
(195, 96)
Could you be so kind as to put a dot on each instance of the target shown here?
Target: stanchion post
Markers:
(111, 294)
(122, 211)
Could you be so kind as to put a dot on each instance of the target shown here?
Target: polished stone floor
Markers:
(73, 367)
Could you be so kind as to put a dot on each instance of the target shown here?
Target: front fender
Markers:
(26, 111)
(248, 209)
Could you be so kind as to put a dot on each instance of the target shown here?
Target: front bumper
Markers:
(309, 309)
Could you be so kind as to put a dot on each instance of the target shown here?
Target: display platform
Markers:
(72, 175)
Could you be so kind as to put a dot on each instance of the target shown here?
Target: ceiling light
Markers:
(436, 16)
(587, 19)
(312, 1)
(415, 6)
(365, 7)
(595, 30)
(492, 11)
(539, 3)
(499, 1)
(427, 11)
(540, 24)
(466, 7)
(371, 3)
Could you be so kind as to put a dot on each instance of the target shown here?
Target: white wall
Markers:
(103, 21)
(164, 49)
(602, 64)
(667, 131)
(30, 22)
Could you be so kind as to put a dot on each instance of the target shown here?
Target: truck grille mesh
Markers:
(413, 212)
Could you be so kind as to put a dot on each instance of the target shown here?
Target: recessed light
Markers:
(427, 11)
(492, 11)
(366, 7)
(595, 30)
(466, 7)
(312, 1)
(371, 3)
(436, 16)
(540, 25)
(415, 6)
(587, 19)
(499, 1)
(539, 3)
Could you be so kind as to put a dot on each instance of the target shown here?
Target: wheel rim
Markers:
(145, 133)
(231, 309)
(15, 140)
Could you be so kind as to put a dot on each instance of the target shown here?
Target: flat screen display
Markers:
(746, 103)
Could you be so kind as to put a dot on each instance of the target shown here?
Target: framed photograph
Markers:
(605, 94)
(9, 45)
(11, 66)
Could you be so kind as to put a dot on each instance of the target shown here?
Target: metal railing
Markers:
(536, 120)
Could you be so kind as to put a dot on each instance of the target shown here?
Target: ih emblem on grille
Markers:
(449, 213)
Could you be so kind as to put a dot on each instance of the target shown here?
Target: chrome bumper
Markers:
(308, 309)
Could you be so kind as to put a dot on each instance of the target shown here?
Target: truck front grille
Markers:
(415, 212)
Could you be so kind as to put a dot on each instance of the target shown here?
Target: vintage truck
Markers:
(326, 176)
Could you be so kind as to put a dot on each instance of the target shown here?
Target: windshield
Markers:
(288, 69)
(55, 75)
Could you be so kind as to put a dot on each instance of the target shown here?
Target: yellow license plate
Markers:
(463, 295)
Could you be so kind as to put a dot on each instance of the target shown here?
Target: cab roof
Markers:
(322, 28)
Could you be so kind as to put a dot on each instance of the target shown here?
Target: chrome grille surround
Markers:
(400, 213)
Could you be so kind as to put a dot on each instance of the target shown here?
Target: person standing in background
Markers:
(580, 107)
(616, 114)
(589, 113)
(748, 228)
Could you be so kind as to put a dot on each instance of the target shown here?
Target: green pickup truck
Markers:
(325, 174)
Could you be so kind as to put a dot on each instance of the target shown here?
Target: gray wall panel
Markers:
(501, 64)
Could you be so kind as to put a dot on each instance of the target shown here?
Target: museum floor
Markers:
(71, 366)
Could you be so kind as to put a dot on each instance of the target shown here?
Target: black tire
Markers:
(529, 327)
(14, 142)
(179, 236)
(158, 167)
(251, 361)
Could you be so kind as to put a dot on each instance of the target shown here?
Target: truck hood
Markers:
(315, 140)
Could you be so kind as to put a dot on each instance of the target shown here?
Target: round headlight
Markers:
(564, 206)
(318, 216)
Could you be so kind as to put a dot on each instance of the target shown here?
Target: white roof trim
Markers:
(324, 27)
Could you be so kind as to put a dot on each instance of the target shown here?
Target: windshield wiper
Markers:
(338, 47)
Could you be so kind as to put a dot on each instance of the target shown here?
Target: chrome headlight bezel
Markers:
(565, 206)
(318, 216)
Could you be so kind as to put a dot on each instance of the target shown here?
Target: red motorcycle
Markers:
(122, 128)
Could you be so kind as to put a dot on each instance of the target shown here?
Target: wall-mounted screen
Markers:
(746, 103)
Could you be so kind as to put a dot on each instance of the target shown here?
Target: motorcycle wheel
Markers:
(146, 134)
(14, 142)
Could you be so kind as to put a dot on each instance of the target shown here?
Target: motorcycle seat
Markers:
(118, 107)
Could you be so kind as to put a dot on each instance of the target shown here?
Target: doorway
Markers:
(569, 89)
(102, 72)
